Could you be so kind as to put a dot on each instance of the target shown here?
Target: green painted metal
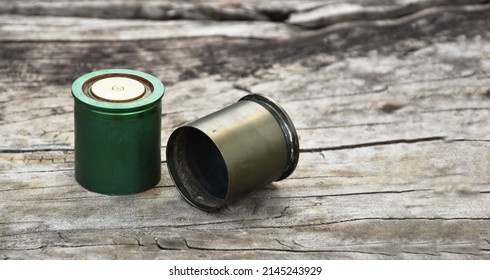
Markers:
(220, 157)
(117, 145)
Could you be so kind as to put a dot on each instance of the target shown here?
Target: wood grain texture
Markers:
(392, 110)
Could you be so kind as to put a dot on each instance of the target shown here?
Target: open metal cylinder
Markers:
(117, 131)
(242, 147)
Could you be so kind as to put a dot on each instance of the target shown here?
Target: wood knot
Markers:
(487, 93)
(188, 74)
(389, 108)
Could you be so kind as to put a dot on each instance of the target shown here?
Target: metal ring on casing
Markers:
(223, 155)
(117, 138)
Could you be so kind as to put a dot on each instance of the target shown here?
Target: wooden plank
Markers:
(335, 203)
(44, 28)
(251, 10)
(81, 21)
(393, 119)
(451, 90)
(310, 13)
(337, 12)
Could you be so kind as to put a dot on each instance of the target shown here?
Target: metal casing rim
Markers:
(286, 125)
(158, 90)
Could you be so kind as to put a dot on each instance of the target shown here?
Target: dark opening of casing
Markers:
(197, 168)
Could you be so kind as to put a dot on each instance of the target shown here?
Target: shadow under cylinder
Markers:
(228, 153)
(117, 131)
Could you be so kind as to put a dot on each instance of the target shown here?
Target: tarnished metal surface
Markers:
(117, 138)
(223, 155)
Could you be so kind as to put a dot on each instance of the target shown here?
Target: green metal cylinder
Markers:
(117, 137)
(220, 157)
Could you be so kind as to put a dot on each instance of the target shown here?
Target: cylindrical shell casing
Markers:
(117, 144)
(230, 152)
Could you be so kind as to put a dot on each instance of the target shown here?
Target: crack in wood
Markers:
(461, 253)
(420, 253)
(283, 213)
(327, 176)
(346, 125)
(162, 247)
(38, 171)
(321, 224)
(256, 205)
(62, 237)
(377, 143)
(283, 244)
(403, 19)
(456, 110)
(138, 241)
(296, 243)
(242, 88)
(95, 198)
(35, 150)
(348, 194)
(468, 140)
(288, 250)
(416, 219)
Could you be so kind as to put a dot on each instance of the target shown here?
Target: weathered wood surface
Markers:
(391, 100)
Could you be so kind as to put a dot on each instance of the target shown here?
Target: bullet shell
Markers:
(226, 154)
(117, 131)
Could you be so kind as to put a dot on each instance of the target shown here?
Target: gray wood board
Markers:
(392, 114)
